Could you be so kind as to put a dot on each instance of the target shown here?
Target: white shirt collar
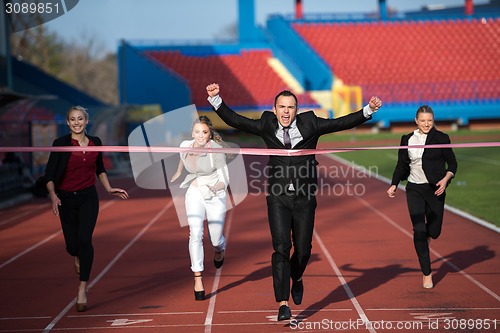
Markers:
(292, 125)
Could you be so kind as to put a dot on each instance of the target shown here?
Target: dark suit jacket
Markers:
(435, 161)
(300, 170)
(58, 161)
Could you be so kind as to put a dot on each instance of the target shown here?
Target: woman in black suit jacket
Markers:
(428, 171)
(70, 180)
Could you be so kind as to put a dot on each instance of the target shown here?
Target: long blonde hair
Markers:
(214, 135)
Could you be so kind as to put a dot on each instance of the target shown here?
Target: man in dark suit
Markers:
(291, 202)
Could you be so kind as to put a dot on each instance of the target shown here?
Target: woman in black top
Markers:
(428, 171)
(70, 180)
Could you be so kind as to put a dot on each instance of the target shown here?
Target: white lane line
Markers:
(215, 285)
(211, 305)
(274, 310)
(473, 218)
(437, 254)
(137, 328)
(17, 217)
(24, 318)
(346, 287)
(383, 179)
(108, 267)
(103, 207)
(30, 249)
(137, 314)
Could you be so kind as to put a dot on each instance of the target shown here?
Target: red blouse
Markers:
(81, 169)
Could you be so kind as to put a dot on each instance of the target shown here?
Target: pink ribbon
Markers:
(243, 151)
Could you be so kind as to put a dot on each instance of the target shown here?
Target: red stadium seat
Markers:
(378, 54)
(247, 78)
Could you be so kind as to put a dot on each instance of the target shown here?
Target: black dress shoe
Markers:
(284, 313)
(218, 263)
(297, 291)
(199, 295)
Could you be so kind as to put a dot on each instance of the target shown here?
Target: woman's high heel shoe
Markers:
(427, 281)
(81, 307)
(218, 263)
(199, 295)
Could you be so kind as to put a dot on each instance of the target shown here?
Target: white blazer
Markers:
(210, 169)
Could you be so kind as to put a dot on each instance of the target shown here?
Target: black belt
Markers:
(76, 193)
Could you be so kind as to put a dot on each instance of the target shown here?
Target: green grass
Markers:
(475, 188)
(462, 135)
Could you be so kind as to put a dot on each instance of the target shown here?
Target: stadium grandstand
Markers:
(446, 57)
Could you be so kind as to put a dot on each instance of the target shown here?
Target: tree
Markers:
(81, 64)
(88, 69)
(39, 47)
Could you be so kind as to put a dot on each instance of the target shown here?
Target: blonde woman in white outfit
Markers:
(207, 181)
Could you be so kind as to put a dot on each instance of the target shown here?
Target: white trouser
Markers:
(215, 210)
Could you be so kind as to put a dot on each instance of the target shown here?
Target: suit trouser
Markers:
(78, 214)
(291, 219)
(215, 210)
(426, 213)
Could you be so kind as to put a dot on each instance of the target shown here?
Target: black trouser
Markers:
(78, 214)
(426, 213)
(291, 218)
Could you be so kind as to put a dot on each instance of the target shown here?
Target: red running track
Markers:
(363, 267)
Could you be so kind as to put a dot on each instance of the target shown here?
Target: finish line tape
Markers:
(242, 151)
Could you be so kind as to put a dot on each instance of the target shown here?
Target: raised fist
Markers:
(213, 89)
(375, 103)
